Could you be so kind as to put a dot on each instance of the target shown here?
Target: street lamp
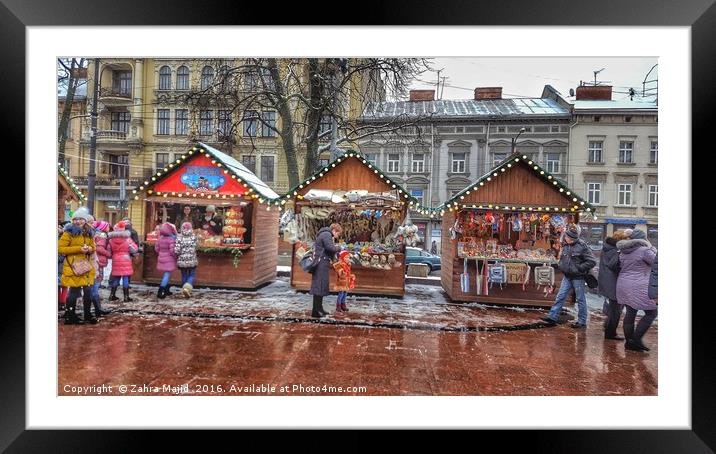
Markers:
(514, 141)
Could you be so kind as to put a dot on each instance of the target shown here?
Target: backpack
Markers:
(497, 274)
(544, 276)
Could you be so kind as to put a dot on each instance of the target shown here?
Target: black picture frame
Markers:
(16, 15)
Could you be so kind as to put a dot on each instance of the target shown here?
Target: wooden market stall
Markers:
(511, 216)
(239, 249)
(67, 191)
(371, 209)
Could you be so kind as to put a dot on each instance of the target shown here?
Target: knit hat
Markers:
(342, 255)
(572, 231)
(186, 226)
(635, 234)
(91, 219)
(211, 208)
(81, 212)
(118, 227)
(101, 226)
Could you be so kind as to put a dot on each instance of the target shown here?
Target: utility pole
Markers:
(437, 85)
(93, 141)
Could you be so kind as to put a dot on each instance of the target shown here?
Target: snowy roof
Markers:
(623, 104)
(241, 171)
(467, 108)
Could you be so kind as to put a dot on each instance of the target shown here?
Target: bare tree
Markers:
(307, 95)
(68, 79)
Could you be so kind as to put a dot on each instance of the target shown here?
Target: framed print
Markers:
(53, 376)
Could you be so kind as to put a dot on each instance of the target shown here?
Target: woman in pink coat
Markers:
(167, 259)
(122, 247)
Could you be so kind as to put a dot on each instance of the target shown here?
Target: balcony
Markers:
(115, 96)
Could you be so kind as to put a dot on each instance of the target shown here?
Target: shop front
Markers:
(233, 214)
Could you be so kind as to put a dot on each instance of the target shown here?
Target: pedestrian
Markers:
(434, 248)
(121, 246)
(345, 279)
(61, 289)
(186, 216)
(103, 254)
(654, 281)
(636, 257)
(324, 252)
(211, 222)
(576, 259)
(185, 252)
(608, 273)
(167, 259)
(134, 236)
(77, 245)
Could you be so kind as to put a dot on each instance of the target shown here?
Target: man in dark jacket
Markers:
(608, 273)
(575, 262)
(325, 250)
(654, 280)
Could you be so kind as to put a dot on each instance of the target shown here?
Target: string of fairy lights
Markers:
(453, 204)
(71, 182)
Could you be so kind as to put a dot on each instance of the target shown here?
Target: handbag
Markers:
(308, 262)
(80, 267)
(591, 279)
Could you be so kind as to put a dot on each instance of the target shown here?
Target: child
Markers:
(121, 247)
(346, 280)
(167, 260)
(185, 251)
(101, 228)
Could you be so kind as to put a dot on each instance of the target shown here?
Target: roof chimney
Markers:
(422, 95)
(594, 93)
(488, 93)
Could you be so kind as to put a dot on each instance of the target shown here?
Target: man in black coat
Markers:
(608, 274)
(575, 261)
(325, 251)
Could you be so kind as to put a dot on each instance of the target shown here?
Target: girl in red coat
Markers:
(121, 247)
(346, 280)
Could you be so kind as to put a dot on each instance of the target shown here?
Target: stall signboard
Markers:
(200, 176)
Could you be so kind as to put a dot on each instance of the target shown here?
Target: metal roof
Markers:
(466, 108)
(623, 104)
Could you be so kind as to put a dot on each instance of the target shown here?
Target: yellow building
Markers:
(147, 119)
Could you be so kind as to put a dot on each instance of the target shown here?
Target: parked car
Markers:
(416, 255)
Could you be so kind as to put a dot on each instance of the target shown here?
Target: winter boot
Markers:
(343, 307)
(126, 295)
(113, 293)
(166, 290)
(71, 317)
(316, 312)
(89, 318)
(186, 290)
(637, 346)
(160, 293)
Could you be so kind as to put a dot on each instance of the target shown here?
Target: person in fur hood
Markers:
(185, 251)
(121, 247)
(77, 245)
(166, 258)
(636, 256)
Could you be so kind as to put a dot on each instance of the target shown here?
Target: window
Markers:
(206, 122)
(653, 195)
(224, 122)
(498, 158)
(249, 162)
(627, 119)
(326, 124)
(554, 128)
(418, 194)
(269, 122)
(119, 166)
(418, 163)
(161, 162)
(267, 168)
(165, 78)
(393, 163)
(597, 118)
(594, 193)
(458, 163)
(182, 122)
(250, 123)
(371, 157)
(207, 77)
(266, 78)
(410, 252)
(163, 121)
(322, 163)
(120, 121)
(625, 152)
(595, 150)
(500, 129)
(251, 80)
(224, 80)
(68, 131)
(122, 82)
(67, 166)
(624, 191)
(176, 157)
(553, 162)
(183, 78)
(654, 152)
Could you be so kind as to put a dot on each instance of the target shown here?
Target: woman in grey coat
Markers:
(325, 251)
(636, 256)
(608, 273)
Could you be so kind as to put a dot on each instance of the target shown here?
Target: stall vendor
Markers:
(186, 215)
(211, 222)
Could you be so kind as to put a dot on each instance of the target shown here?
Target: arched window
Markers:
(183, 78)
(207, 77)
(165, 78)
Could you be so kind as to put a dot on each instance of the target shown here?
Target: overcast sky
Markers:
(527, 76)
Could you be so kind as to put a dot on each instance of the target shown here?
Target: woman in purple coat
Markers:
(636, 255)
(167, 260)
